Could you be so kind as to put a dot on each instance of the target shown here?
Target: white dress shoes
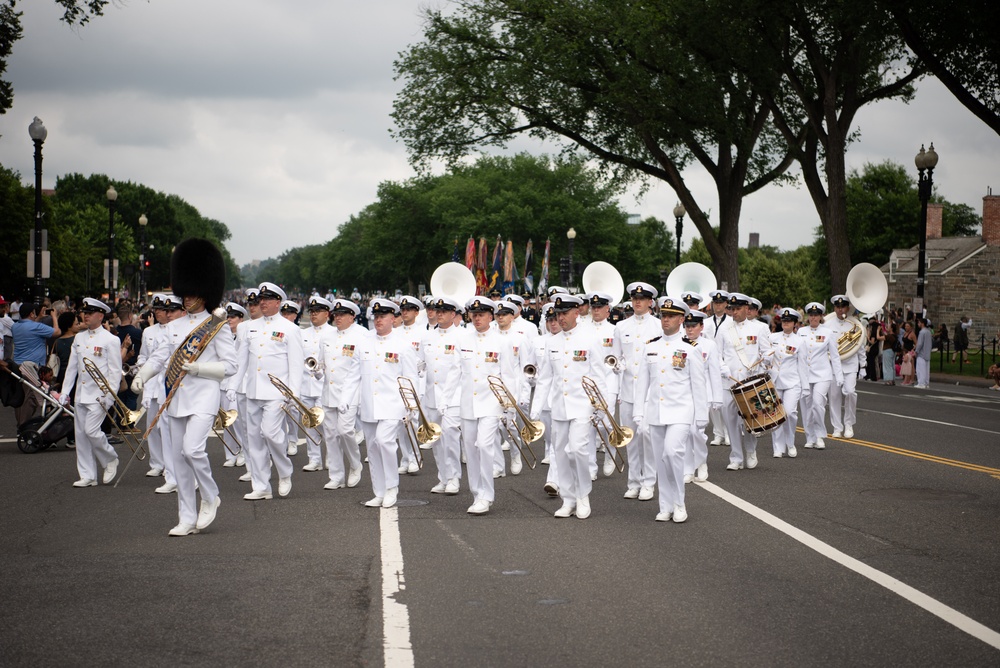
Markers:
(246, 477)
(716, 440)
(645, 493)
(849, 431)
(389, 500)
(451, 489)
(836, 434)
(792, 452)
(583, 508)
(631, 493)
(551, 489)
(166, 488)
(110, 471)
(499, 473)
(240, 459)
(412, 468)
(733, 466)
(809, 446)
(374, 503)
(284, 486)
(257, 496)
(183, 530)
(334, 484)
(751, 460)
(85, 482)
(566, 510)
(820, 444)
(680, 514)
(354, 477)
(439, 488)
(609, 466)
(313, 466)
(701, 473)
(154, 472)
(688, 477)
(293, 449)
(480, 507)
(207, 513)
(665, 517)
(515, 465)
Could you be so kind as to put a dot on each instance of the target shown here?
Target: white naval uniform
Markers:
(312, 388)
(697, 454)
(844, 397)
(230, 444)
(790, 373)
(153, 395)
(192, 412)
(414, 334)
(523, 353)
(340, 352)
(238, 383)
(441, 352)
(744, 345)
(272, 346)
(671, 395)
(383, 360)
(823, 364)
(630, 337)
(103, 349)
(605, 331)
(711, 331)
(482, 355)
(568, 357)
(540, 407)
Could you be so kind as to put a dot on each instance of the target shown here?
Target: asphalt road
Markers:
(89, 576)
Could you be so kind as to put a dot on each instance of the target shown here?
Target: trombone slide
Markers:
(523, 435)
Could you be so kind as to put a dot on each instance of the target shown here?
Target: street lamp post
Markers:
(112, 196)
(38, 133)
(571, 235)
(925, 161)
(679, 217)
(143, 221)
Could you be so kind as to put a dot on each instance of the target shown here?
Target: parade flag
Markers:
(481, 280)
(544, 283)
(529, 278)
(455, 257)
(497, 264)
(470, 255)
(509, 270)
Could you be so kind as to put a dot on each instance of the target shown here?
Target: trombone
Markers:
(615, 437)
(521, 437)
(309, 418)
(428, 432)
(119, 414)
(223, 423)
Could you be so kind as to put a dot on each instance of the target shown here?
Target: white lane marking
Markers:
(920, 419)
(933, 606)
(8, 440)
(396, 645)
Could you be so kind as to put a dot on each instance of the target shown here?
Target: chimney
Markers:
(991, 220)
(754, 240)
(934, 212)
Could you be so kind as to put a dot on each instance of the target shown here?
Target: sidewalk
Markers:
(967, 379)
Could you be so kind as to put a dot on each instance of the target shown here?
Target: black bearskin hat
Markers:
(198, 270)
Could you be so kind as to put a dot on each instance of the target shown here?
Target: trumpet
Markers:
(522, 437)
(530, 371)
(123, 418)
(613, 363)
(309, 418)
(311, 363)
(224, 422)
(615, 437)
(428, 432)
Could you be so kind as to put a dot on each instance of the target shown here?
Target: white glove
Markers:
(210, 370)
(146, 401)
(106, 401)
(700, 425)
(317, 373)
(231, 396)
(862, 373)
(536, 414)
(715, 406)
(531, 381)
(343, 408)
(144, 374)
(64, 399)
(640, 424)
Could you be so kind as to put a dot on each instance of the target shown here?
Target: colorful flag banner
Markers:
(497, 264)
(543, 284)
(455, 257)
(509, 270)
(470, 255)
(529, 277)
(481, 280)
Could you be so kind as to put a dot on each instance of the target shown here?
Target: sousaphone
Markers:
(867, 291)
(453, 280)
(602, 277)
(692, 277)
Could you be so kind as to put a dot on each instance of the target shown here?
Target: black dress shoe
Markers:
(114, 440)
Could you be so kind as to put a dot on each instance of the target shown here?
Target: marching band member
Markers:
(844, 397)
(312, 379)
(744, 349)
(600, 310)
(174, 310)
(236, 315)
(441, 353)
(523, 353)
(823, 362)
(671, 395)
(103, 349)
(570, 356)
(696, 459)
(341, 365)
(198, 276)
(413, 332)
(789, 372)
(236, 387)
(430, 311)
(385, 357)
(520, 324)
(290, 311)
(719, 315)
(152, 337)
(631, 336)
(272, 346)
(541, 402)
(483, 353)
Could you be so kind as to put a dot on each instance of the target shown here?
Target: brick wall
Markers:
(934, 213)
(991, 220)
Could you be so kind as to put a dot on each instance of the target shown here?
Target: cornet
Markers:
(615, 437)
(309, 418)
(428, 432)
(123, 418)
(522, 437)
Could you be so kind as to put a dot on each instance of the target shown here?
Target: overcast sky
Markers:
(273, 117)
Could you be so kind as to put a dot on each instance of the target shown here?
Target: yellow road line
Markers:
(995, 472)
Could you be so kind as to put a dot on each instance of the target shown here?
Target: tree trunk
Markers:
(835, 219)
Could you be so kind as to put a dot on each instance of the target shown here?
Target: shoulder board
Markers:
(656, 339)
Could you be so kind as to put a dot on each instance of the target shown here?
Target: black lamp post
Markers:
(143, 221)
(679, 217)
(925, 162)
(112, 196)
(571, 235)
(38, 133)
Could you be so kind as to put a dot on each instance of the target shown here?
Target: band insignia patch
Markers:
(579, 355)
(492, 358)
(679, 360)
(392, 358)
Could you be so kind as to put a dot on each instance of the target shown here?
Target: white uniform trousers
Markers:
(244, 429)
(571, 444)
(92, 447)
(696, 452)
(481, 439)
(448, 448)
(552, 475)
(783, 436)
(719, 432)
(499, 463)
(612, 405)
(738, 441)
(405, 448)
(338, 435)
(229, 444)
(190, 463)
(844, 402)
(669, 443)
(314, 436)
(267, 442)
(155, 439)
(815, 419)
(923, 378)
(641, 465)
(381, 442)
(292, 425)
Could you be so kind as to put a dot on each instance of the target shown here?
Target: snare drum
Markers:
(758, 404)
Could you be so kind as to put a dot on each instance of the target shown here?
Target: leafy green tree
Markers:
(17, 211)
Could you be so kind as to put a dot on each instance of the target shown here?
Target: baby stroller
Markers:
(37, 432)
